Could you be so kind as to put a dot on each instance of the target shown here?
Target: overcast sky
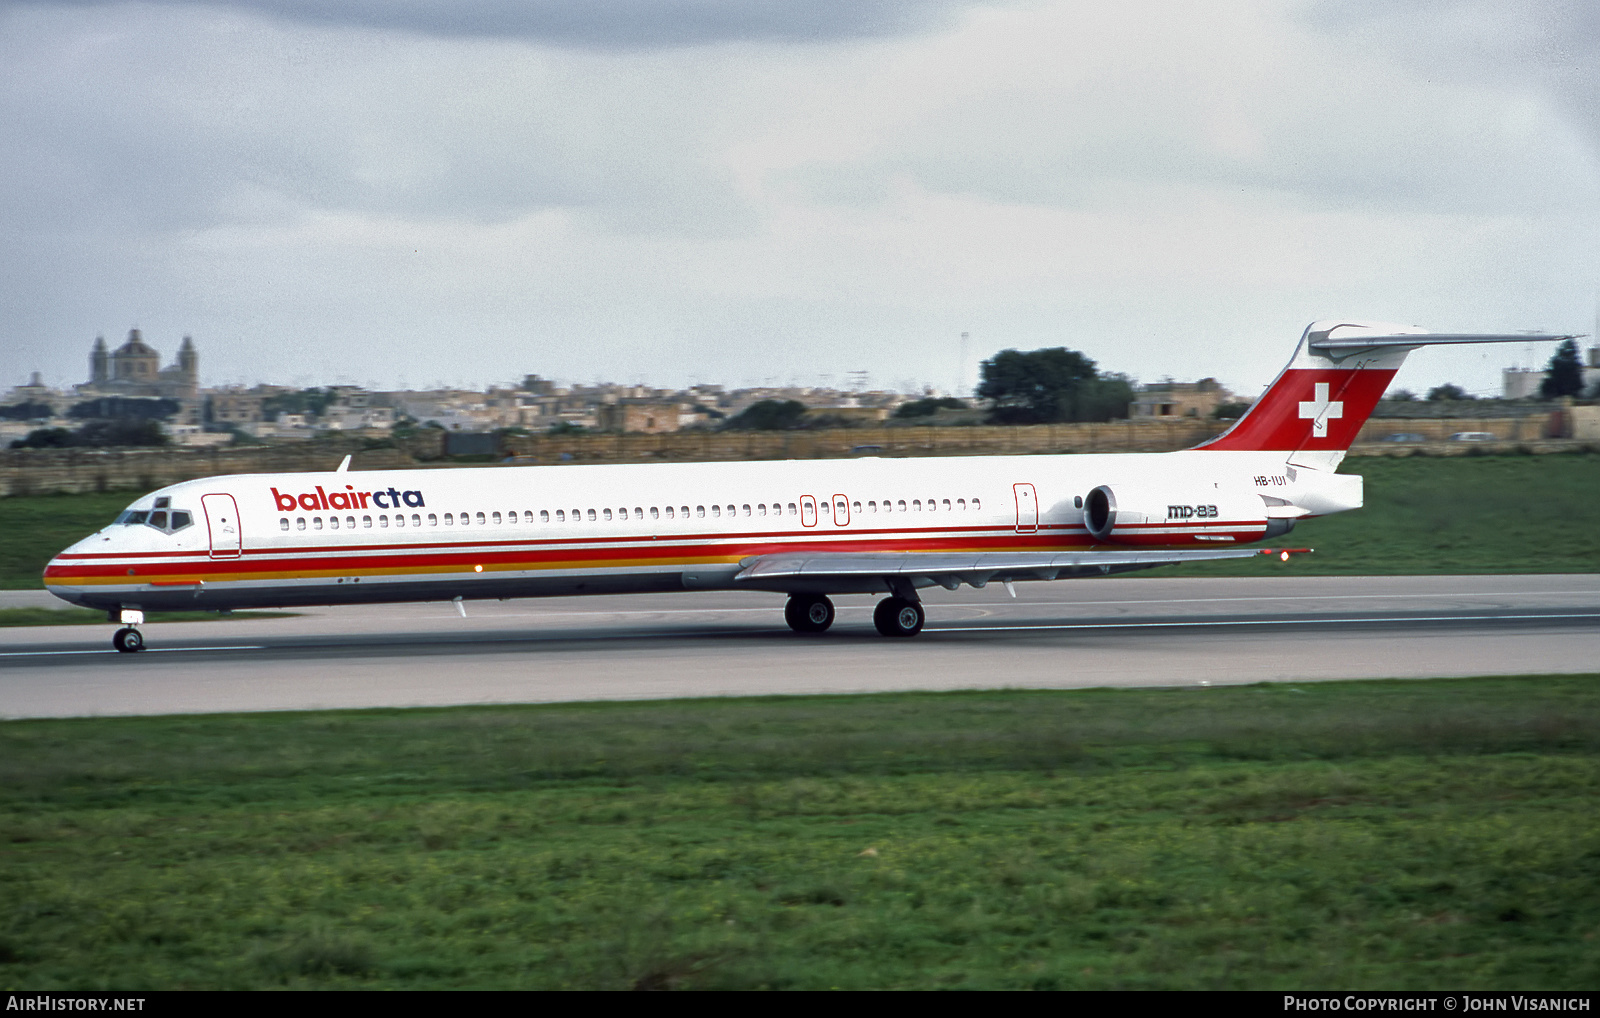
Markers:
(417, 192)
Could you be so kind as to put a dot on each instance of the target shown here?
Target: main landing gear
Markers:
(808, 613)
(894, 616)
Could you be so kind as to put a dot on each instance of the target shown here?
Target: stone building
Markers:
(1178, 399)
(134, 369)
(651, 417)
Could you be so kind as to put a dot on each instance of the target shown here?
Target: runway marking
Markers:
(147, 650)
(1258, 622)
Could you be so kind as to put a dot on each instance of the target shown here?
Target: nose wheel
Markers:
(808, 613)
(128, 640)
(896, 616)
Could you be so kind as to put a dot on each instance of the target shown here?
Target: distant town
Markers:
(134, 400)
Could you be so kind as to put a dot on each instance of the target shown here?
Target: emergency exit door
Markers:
(1027, 508)
(222, 520)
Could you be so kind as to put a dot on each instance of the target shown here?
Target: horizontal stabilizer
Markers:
(1351, 342)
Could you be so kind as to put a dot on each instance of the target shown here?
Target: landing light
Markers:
(479, 569)
(1284, 556)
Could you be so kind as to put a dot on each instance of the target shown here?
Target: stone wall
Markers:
(47, 471)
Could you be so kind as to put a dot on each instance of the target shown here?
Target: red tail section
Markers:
(1336, 377)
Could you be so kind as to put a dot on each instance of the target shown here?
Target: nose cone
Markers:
(63, 575)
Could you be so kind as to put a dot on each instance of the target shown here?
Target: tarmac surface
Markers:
(1108, 632)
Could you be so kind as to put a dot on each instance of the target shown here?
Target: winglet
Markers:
(344, 465)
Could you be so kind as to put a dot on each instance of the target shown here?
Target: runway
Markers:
(1107, 632)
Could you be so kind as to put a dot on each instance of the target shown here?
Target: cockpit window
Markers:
(133, 516)
(181, 519)
(158, 520)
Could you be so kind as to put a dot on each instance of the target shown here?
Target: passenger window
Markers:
(383, 522)
(872, 507)
(333, 523)
(366, 523)
(449, 519)
(544, 516)
(655, 513)
(669, 512)
(699, 510)
(683, 511)
(947, 505)
(433, 520)
(399, 520)
(792, 509)
(855, 507)
(350, 523)
(933, 504)
(747, 511)
(316, 523)
(527, 516)
(901, 505)
(481, 520)
(622, 513)
(716, 510)
(416, 519)
(577, 514)
(300, 523)
(761, 508)
(961, 503)
(976, 504)
(465, 519)
(605, 512)
(497, 518)
(839, 506)
(561, 516)
(283, 523)
(916, 505)
(638, 513)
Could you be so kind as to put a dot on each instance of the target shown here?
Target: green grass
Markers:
(1464, 514)
(86, 616)
(36, 527)
(1380, 834)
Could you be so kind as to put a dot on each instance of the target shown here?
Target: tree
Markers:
(96, 434)
(1049, 386)
(1563, 376)
(768, 415)
(1448, 390)
(124, 408)
(929, 407)
(1230, 411)
(26, 412)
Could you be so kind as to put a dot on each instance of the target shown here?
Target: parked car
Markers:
(1474, 436)
(1404, 436)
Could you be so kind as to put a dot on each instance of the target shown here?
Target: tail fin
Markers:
(1313, 410)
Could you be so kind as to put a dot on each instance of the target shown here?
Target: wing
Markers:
(845, 572)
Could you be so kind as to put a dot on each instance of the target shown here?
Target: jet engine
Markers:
(1123, 514)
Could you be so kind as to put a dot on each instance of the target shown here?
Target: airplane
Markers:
(810, 529)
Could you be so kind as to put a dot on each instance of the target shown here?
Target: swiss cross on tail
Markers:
(1330, 386)
(1320, 409)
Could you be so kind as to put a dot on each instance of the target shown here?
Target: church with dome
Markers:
(134, 369)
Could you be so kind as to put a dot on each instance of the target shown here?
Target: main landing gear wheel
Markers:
(128, 640)
(808, 613)
(895, 616)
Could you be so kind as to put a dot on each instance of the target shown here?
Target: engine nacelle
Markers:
(1124, 514)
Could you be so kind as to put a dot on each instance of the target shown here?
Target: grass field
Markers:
(1353, 835)
(1466, 514)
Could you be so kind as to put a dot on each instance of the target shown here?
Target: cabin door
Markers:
(222, 520)
(1027, 508)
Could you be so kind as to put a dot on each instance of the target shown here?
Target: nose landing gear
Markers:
(128, 639)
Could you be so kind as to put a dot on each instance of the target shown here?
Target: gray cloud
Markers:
(602, 24)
